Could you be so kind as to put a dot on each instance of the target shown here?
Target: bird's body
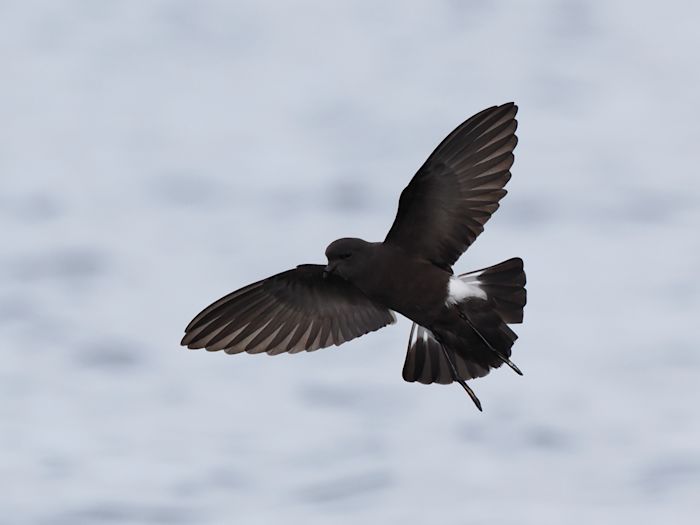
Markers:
(409, 279)
(461, 322)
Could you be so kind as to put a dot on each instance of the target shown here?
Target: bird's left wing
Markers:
(289, 312)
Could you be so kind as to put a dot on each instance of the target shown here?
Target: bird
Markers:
(461, 322)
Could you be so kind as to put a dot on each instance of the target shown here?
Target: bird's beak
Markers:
(328, 270)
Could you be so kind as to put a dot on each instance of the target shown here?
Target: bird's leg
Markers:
(461, 381)
(498, 354)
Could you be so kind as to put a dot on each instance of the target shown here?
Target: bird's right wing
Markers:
(446, 204)
(289, 312)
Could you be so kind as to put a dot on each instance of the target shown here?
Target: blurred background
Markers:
(155, 155)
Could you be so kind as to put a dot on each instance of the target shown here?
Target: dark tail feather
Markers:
(428, 361)
(425, 361)
(509, 339)
(504, 285)
(482, 340)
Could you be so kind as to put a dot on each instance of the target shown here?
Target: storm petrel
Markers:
(460, 323)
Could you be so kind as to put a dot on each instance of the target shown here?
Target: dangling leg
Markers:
(461, 381)
(498, 354)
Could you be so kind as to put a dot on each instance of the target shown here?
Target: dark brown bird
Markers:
(460, 323)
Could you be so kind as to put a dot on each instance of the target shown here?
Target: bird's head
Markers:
(346, 257)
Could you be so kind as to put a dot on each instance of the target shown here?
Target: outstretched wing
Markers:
(446, 204)
(289, 312)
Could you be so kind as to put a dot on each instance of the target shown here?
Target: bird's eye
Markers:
(345, 255)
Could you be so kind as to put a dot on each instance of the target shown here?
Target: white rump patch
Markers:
(459, 290)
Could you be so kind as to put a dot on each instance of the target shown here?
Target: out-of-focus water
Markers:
(156, 155)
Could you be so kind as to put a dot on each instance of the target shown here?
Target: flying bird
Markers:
(460, 322)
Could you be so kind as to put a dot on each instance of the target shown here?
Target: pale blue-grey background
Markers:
(155, 155)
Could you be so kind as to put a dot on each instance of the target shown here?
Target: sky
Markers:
(156, 155)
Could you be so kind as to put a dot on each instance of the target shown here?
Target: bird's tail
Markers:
(504, 285)
(482, 340)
